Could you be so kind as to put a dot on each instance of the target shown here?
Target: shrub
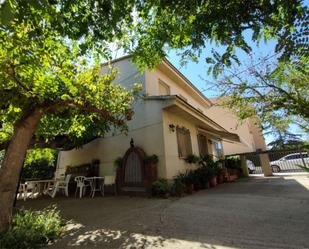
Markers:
(151, 159)
(160, 187)
(118, 162)
(39, 163)
(31, 229)
(178, 187)
(232, 163)
(192, 159)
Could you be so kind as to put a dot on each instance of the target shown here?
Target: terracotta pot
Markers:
(189, 188)
(220, 178)
(197, 187)
(213, 182)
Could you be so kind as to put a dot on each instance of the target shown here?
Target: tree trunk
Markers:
(13, 163)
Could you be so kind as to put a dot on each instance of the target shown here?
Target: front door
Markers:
(133, 170)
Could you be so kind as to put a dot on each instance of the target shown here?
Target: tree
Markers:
(50, 96)
(286, 140)
(274, 90)
(47, 91)
(278, 93)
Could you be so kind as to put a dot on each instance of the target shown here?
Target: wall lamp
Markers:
(171, 127)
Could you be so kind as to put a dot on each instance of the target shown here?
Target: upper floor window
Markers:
(184, 142)
(164, 88)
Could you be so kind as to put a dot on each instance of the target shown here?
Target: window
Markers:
(202, 144)
(164, 89)
(296, 156)
(218, 149)
(184, 142)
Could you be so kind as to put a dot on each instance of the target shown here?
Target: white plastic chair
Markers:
(110, 180)
(81, 185)
(62, 184)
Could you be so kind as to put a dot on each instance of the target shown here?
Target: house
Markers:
(171, 121)
(249, 132)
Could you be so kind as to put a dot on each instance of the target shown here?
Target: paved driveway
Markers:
(255, 213)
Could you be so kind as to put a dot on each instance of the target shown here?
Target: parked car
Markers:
(251, 166)
(290, 162)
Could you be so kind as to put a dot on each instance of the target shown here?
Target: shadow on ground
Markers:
(251, 213)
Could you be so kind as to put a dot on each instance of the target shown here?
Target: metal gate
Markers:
(280, 161)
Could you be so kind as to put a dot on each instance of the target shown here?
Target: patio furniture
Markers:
(22, 191)
(81, 185)
(109, 181)
(30, 189)
(96, 184)
(38, 187)
(61, 185)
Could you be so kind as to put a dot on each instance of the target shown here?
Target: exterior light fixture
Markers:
(171, 127)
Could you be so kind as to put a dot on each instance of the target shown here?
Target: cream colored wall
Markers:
(146, 130)
(257, 135)
(172, 160)
(152, 88)
(250, 139)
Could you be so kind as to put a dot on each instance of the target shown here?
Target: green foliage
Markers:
(39, 164)
(276, 93)
(286, 140)
(32, 229)
(233, 163)
(194, 25)
(178, 187)
(40, 69)
(160, 187)
(140, 27)
(207, 168)
(192, 159)
(151, 159)
(118, 162)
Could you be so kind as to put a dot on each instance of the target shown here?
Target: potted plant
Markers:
(160, 188)
(233, 167)
(186, 179)
(192, 159)
(178, 187)
(211, 168)
(221, 175)
(189, 181)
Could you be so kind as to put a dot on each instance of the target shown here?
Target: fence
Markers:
(276, 161)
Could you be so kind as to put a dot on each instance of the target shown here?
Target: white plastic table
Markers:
(96, 184)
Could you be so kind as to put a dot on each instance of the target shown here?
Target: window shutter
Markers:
(202, 144)
(183, 142)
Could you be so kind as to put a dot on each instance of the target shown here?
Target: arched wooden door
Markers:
(133, 168)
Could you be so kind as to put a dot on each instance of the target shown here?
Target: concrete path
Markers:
(251, 213)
